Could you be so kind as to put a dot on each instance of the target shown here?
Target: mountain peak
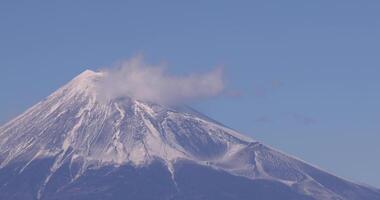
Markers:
(87, 72)
(85, 83)
(88, 76)
(72, 134)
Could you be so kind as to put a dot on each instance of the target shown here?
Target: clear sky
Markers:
(303, 75)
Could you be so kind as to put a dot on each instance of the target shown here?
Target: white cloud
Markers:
(136, 79)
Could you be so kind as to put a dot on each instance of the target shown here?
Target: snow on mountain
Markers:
(76, 129)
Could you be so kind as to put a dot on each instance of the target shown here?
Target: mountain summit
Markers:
(78, 145)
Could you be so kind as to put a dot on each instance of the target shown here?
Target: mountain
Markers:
(73, 145)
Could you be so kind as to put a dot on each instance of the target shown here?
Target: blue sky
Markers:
(303, 76)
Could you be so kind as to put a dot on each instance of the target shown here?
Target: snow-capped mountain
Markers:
(75, 145)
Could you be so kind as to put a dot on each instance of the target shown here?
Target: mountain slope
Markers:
(77, 145)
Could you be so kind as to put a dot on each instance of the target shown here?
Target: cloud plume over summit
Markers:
(137, 79)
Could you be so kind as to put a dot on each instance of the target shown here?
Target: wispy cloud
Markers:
(297, 118)
(263, 120)
(233, 93)
(140, 80)
(262, 90)
(303, 119)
